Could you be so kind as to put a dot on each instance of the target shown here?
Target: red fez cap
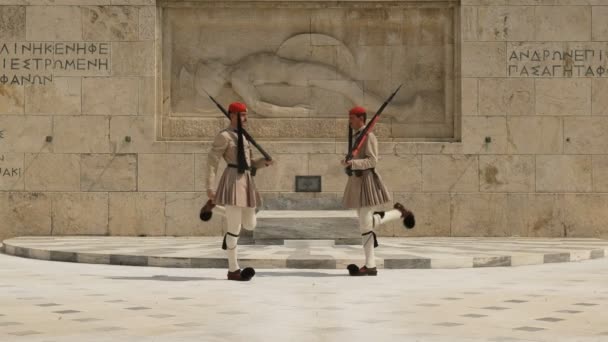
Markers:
(358, 110)
(237, 107)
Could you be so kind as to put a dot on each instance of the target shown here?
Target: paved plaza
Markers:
(64, 301)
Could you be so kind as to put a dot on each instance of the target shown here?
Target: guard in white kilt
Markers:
(365, 191)
(236, 195)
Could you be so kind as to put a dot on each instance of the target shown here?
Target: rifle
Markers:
(370, 125)
(349, 170)
(365, 132)
(245, 133)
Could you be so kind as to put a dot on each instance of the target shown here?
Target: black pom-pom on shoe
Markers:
(247, 273)
(352, 269)
(206, 211)
(409, 221)
(206, 215)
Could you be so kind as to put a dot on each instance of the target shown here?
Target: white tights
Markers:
(367, 222)
(236, 217)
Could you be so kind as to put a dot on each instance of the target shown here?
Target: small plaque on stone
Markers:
(308, 183)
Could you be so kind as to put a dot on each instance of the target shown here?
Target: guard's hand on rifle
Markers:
(346, 163)
(268, 162)
(211, 195)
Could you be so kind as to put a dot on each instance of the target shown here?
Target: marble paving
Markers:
(43, 301)
(393, 253)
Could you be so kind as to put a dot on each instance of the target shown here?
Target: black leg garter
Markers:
(374, 235)
(224, 247)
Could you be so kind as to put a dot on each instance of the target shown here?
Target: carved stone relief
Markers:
(310, 62)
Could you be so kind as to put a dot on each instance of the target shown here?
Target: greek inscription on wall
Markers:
(11, 171)
(557, 60)
(25, 63)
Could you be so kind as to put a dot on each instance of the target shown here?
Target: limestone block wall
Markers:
(81, 154)
(534, 74)
(77, 78)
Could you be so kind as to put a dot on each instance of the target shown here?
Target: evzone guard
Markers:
(236, 195)
(365, 190)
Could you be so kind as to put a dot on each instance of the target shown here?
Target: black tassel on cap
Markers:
(241, 160)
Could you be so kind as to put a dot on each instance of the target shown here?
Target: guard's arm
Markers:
(220, 143)
(371, 156)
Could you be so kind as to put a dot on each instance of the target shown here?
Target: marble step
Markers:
(340, 226)
(308, 243)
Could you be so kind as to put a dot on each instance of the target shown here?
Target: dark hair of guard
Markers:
(362, 115)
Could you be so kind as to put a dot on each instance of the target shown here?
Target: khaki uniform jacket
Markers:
(367, 190)
(233, 188)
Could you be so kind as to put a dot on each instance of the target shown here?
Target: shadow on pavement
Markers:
(300, 274)
(164, 278)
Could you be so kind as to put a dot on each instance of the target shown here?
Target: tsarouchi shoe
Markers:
(409, 221)
(245, 275)
(206, 211)
(355, 271)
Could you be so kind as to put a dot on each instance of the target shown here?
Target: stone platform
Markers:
(275, 227)
(395, 253)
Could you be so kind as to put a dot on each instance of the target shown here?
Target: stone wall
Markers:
(82, 123)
